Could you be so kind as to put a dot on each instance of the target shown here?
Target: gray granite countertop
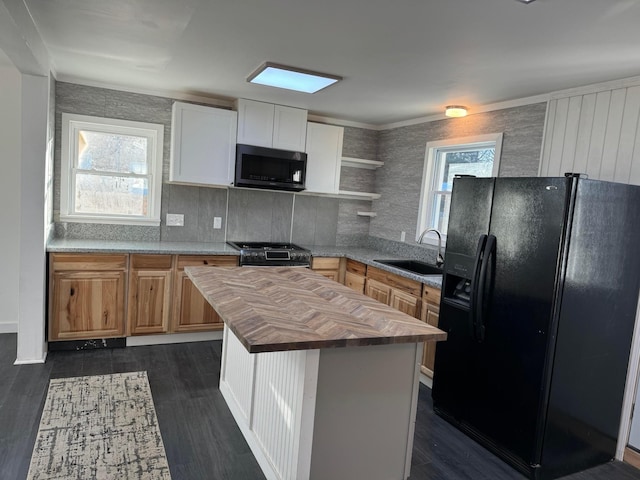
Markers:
(368, 257)
(107, 246)
(364, 255)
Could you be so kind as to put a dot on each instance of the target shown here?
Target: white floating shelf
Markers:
(358, 195)
(361, 163)
(367, 214)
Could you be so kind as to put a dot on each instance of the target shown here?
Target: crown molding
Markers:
(596, 87)
(176, 95)
(343, 123)
(519, 102)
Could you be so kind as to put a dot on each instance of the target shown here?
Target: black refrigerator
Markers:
(540, 289)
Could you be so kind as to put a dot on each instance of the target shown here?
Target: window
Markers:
(111, 170)
(478, 156)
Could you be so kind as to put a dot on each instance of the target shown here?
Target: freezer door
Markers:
(468, 219)
(468, 225)
(499, 393)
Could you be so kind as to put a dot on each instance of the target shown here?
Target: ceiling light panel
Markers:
(455, 111)
(292, 78)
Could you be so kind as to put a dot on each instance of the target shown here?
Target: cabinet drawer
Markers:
(87, 262)
(325, 263)
(150, 262)
(211, 260)
(356, 267)
(405, 284)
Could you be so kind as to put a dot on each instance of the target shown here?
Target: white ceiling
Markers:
(400, 60)
(4, 60)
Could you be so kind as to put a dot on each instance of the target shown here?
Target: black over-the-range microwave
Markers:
(261, 167)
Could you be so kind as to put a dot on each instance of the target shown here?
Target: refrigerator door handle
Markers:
(488, 259)
(473, 297)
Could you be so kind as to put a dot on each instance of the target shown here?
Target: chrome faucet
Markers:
(439, 258)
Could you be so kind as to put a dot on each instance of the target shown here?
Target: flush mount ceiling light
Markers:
(291, 78)
(526, 1)
(455, 111)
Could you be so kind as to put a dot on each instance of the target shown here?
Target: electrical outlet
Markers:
(175, 220)
(217, 222)
(402, 236)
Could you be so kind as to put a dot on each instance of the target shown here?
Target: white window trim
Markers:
(71, 123)
(426, 204)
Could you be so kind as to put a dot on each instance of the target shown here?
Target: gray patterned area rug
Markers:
(99, 427)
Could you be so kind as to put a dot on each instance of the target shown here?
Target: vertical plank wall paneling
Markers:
(594, 133)
(278, 404)
(628, 156)
(240, 378)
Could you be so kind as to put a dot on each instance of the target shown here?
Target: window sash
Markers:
(433, 198)
(72, 126)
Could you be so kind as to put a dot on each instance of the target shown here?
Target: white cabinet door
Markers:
(203, 144)
(255, 123)
(289, 128)
(272, 126)
(324, 152)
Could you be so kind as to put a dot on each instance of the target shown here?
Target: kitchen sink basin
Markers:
(413, 266)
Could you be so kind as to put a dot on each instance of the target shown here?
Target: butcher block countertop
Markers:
(279, 309)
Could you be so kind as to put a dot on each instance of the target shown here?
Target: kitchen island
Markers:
(322, 381)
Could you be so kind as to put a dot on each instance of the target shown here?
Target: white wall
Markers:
(10, 119)
(595, 131)
(34, 132)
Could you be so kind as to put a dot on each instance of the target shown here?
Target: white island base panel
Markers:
(336, 413)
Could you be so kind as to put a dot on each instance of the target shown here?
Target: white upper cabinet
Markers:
(203, 144)
(273, 126)
(289, 128)
(255, 123)
(324, 153)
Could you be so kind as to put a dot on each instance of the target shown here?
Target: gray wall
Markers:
(403, 152)
(261, 215)
(246, 214)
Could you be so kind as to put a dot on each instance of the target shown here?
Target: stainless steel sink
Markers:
(413, 266)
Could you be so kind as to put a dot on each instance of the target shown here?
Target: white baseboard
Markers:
(31, 362)
(173, 338)
(427, 381)
(9, 327)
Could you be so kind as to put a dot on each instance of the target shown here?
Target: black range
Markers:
(272, 254)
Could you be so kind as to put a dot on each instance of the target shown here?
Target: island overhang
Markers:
(280, 309)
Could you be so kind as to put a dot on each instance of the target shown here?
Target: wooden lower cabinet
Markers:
(405, 302)
(116, 295)
(86, 296)
(378, 291)
(430, 314)
(192, 313)
(354, 282)
(149, 296)
(398, 292)
(330, 267)
(354, 276)
(411, 297)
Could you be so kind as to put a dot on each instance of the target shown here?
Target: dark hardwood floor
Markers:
(200, 436)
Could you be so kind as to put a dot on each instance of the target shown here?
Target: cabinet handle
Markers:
(71, 292)
(206, 262)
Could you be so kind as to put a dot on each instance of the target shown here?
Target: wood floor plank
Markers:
(201, 438)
